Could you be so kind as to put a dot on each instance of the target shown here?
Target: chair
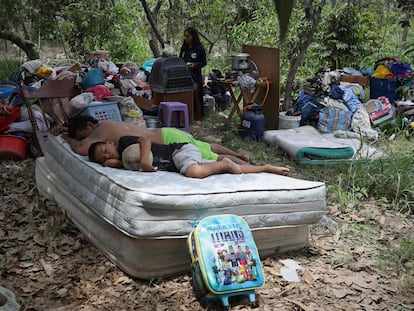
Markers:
(169, 108)
(53, 96)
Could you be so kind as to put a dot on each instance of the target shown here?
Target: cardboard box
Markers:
(361, 80)
(99, 53)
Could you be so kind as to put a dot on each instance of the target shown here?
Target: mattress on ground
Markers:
(307, 145)
(140, 221)
(169, 204)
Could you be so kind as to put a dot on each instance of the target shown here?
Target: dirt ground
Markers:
(50, 265)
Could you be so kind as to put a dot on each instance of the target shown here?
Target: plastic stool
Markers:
(171, 107)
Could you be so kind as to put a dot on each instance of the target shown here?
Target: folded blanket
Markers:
(308, 146)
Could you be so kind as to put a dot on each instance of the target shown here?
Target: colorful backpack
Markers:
(225, 260)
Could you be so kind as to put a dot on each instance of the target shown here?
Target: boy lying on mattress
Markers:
(140, 153)
(85, 130)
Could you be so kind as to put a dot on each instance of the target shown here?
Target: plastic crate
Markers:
(383, 87)
(103, 111)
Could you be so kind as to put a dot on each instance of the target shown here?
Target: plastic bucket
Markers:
(13, 147)
(152, 122)
(288, 122)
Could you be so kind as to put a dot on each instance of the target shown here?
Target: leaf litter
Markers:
(50, 265)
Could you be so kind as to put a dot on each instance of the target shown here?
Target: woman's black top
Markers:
(196, 55)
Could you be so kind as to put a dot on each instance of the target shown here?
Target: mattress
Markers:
(141, 220)
(307, 145)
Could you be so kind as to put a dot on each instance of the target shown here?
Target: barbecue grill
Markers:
(170, 74)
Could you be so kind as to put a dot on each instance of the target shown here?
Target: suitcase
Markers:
(224, 259)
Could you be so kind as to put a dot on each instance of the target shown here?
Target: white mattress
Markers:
(140, 221)
(169, 204)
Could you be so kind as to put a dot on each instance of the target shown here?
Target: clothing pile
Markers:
(388, 76)
(330, 105)
(99, 81)
(217, 90)
(391, 67)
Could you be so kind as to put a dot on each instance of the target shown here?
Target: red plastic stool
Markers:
(169, 108)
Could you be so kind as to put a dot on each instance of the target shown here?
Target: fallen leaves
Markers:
(52, 267)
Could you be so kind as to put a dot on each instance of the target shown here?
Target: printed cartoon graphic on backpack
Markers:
(230, 262)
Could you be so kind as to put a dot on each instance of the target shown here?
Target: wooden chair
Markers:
(53, 96)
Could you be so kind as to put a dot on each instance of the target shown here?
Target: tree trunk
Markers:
(314, 16)
(27, 46)
(405, 23)
(151, 17)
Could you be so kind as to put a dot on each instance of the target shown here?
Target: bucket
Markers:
(152, 122)
(13, 147)
(288, 122)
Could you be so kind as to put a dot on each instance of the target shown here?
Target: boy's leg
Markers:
(246, 169)
(223, 151)
(232, 158)
(207, 169)
(189, 162)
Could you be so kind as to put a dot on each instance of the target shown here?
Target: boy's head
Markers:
(81, 127)
(101, 151)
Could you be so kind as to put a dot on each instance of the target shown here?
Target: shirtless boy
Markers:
(84, 131)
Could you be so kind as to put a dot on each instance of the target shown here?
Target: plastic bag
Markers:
(43, 72)
(78, 103)
(131, 113)
(382, 71)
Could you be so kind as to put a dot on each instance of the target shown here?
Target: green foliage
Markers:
(390, 180)
(7, 66)
(343, 36)
(118, 28)
(408, 48)
(395, 258)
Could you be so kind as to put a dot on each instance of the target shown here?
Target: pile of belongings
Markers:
(406, 109)
(330, 105)
(391, 67)
(219, 91)
(97, 81)
(380, 111)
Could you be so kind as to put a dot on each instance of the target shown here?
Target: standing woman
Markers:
(194, 54)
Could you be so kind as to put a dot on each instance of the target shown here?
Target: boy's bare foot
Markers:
(277, 170)
(232, 167)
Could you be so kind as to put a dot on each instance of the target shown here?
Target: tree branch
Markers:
(151, 20)
(210, 42)
(27, 46)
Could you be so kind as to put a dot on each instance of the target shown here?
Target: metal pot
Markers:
(240, 61)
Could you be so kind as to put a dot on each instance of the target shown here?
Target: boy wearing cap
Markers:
(139, 153)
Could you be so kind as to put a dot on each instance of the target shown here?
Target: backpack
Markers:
(225, 259)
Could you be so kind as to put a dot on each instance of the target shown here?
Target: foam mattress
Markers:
(141, 220)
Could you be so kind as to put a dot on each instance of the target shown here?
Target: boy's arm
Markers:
(145, 146)
(115, 163)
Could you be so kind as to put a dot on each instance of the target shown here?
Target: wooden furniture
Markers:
(53, 96)
(245, 95)
(268, 62)
(361, 80)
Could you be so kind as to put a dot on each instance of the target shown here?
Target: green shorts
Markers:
(172, 135)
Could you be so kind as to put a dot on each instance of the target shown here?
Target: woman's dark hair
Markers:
(196, 38)
(92, 151)
(78, 124)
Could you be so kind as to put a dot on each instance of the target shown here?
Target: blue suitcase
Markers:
(225, 260)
